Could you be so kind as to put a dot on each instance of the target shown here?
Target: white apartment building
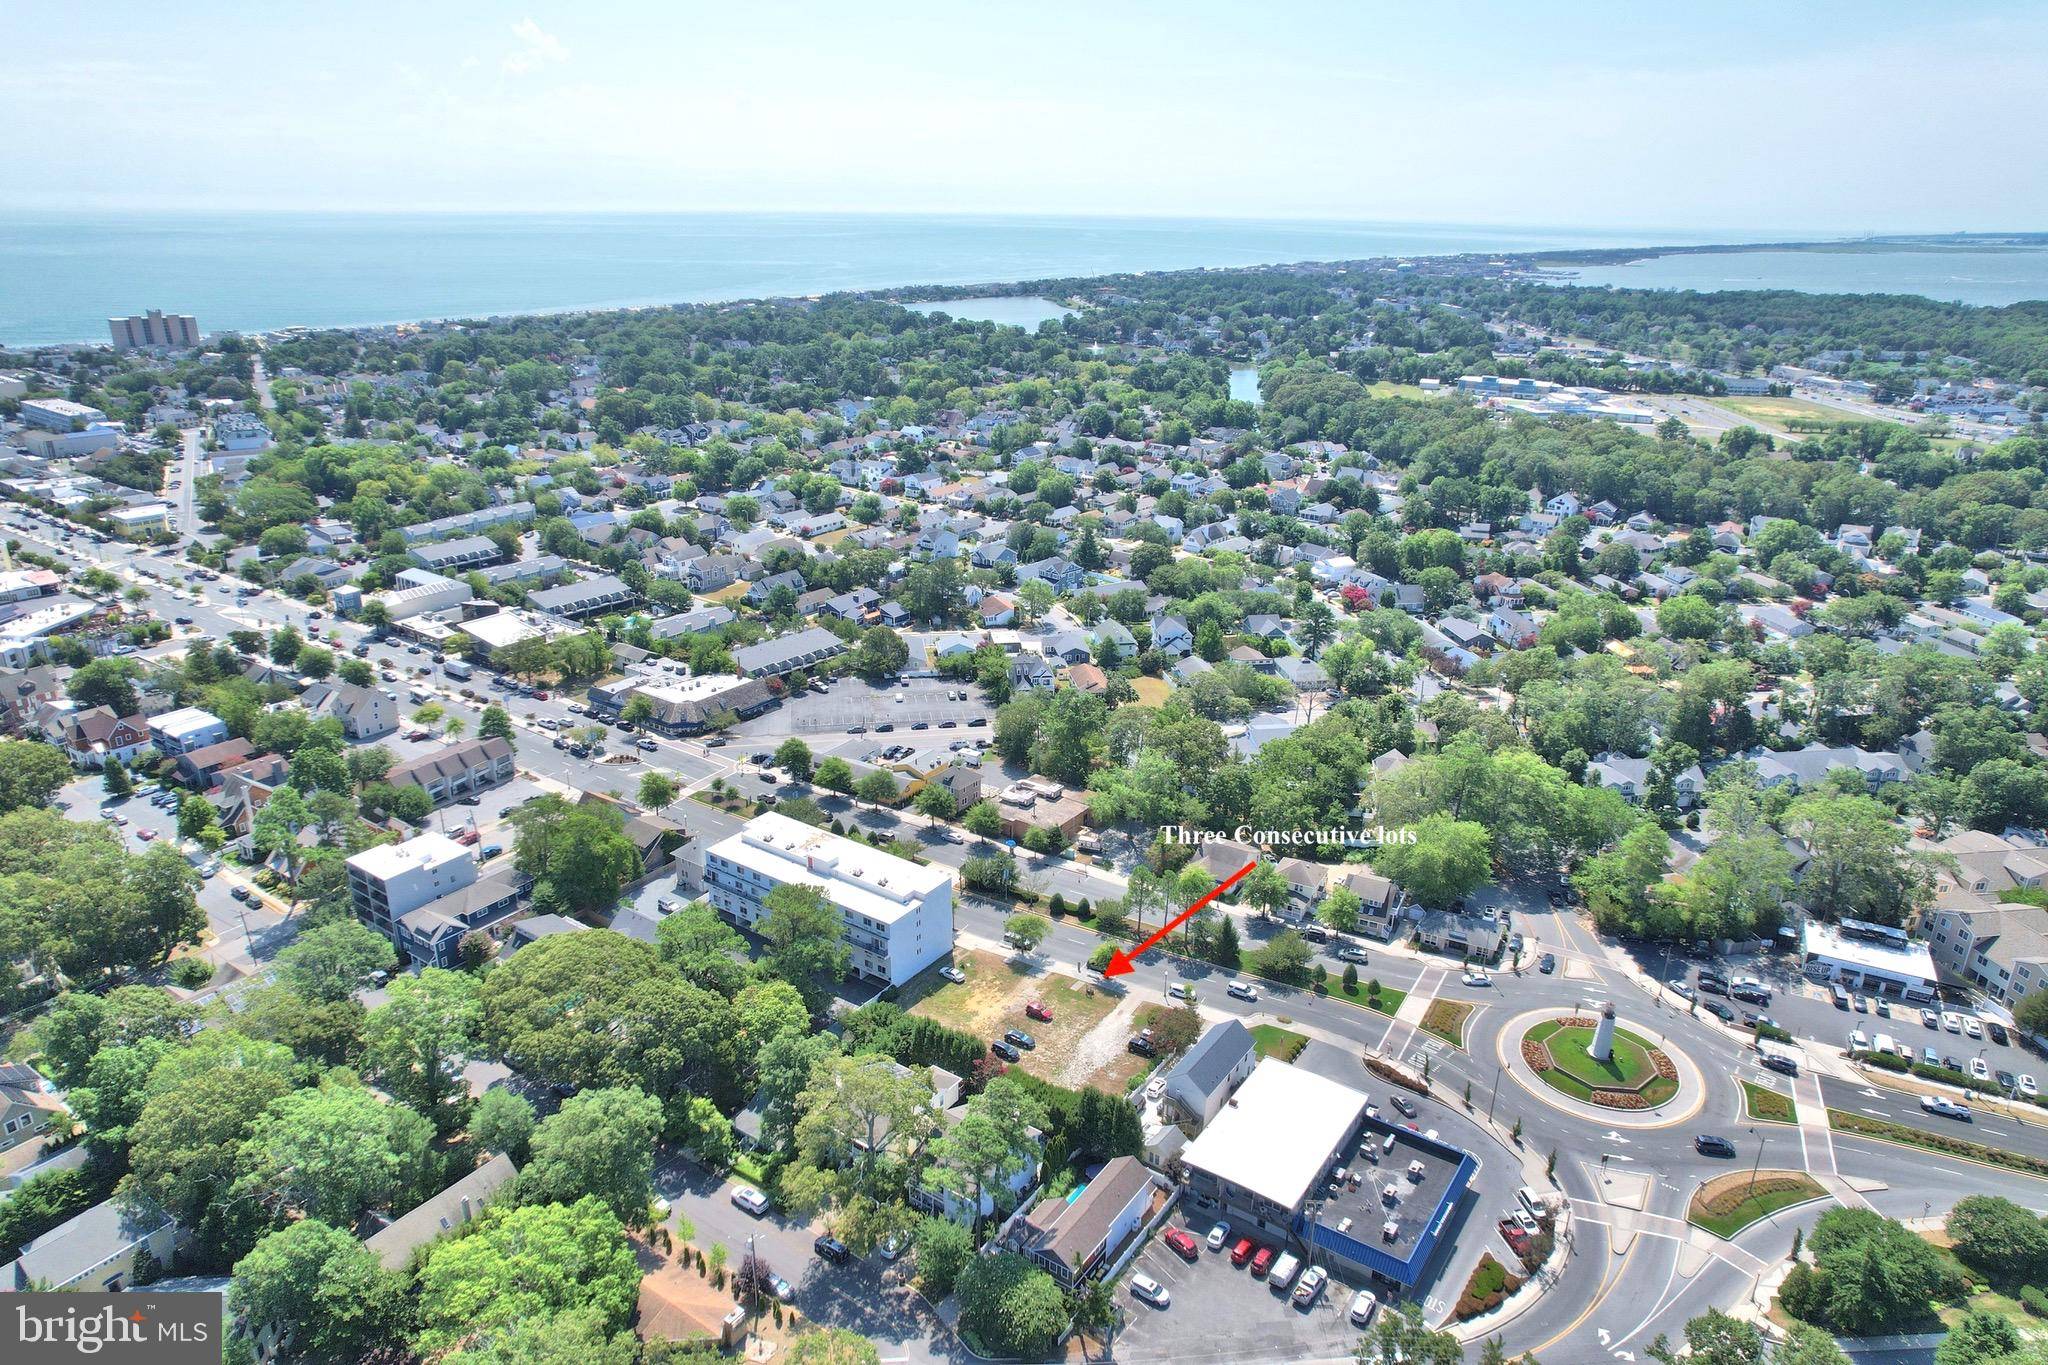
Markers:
(896, 915)
(392, 880)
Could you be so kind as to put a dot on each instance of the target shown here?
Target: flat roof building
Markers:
(896, 916)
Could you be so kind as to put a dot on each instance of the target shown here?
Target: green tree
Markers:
(803, 945)
(601, 1144)
(335, 961)
(502, 1122)
(526, 1264)
(416, 1043)
(31, 774)
(322, 1293)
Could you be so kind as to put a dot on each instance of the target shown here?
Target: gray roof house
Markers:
(1201, 1082)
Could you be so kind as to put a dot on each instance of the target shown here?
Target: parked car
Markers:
(1713, 1144)
(1150, 1290)
(750, 1200)
(1183, 1242)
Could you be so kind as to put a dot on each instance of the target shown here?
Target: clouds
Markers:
(537, 48)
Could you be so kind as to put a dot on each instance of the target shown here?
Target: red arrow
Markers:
(1120, 961)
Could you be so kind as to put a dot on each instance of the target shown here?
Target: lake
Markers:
(1244, 386)
(1985, 276)
(1010, 310)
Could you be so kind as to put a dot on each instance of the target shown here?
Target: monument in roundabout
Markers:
(1590, 1057)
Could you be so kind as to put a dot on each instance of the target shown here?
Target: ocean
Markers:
(63, 275)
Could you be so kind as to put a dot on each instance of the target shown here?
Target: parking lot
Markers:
(1219, 1311)
(851, 705)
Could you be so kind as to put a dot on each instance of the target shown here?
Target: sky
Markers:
(1844, 117)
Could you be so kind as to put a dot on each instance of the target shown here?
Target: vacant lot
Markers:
(992, 1001)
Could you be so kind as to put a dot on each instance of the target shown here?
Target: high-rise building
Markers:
(156, 328)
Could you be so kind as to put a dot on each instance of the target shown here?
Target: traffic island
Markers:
(1729, 1203)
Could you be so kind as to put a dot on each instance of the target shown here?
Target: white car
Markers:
(1311, 1286)
(1930, 1018)
(1979, 1069)
(2027, 1086)
(1952, 1021)
(1150, 1290)
(1242, 990)
(1218, 1235)
(751, 1200)
(1478, 979)
(1973, 1026)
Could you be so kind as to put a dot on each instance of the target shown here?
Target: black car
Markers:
(1712, 1144)
(1718, 1010)
(1004, 1051)
(1402, 1103)
(1020, 1038)
(832, 1249)
(1548, 964)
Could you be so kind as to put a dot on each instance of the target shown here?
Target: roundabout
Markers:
(1586, 1064)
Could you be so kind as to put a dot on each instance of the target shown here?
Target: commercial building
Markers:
(1872, 957)
(1295, 1159)
(59, 414)
(895, 915)
(155, 330)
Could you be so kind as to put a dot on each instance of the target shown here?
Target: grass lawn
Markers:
(1576, 1073)
(1387, 1002)
(1446, 1019)
(992, 999)
(1766, 1105)
(1151, 691)
(1274, 1041)
(1729, 1203)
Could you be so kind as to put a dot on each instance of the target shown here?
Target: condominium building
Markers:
(895, 915)
(154, 329)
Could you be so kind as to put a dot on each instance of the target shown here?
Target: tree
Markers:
(802, 932)
(31, 774)
(1446, 859)
(1009, 1307)
(416, 1043)
(601, 1144)
(943, 1250)
(502, 1122)
(320, 1290)
(658, 790)
(832, 1346)
(335, 961)
(526, 1264)
(334, 1152)
(793, 756)
(114, 777)
(495, 723)
(1999, 1238)
(1025, 931)
(600, 1009)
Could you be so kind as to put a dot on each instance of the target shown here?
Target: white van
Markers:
(1283, 1272)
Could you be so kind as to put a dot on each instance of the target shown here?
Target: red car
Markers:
(1038, 1009)
(1263, 1262)
(1242, 1252)
(1183, 1242)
